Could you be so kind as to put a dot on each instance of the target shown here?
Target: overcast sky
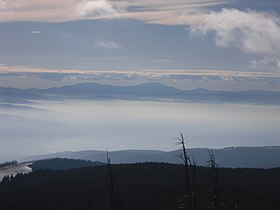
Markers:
(215, 44)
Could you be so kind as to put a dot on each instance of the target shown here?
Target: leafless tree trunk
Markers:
(214, 175)
(190, 174)
(111, 182)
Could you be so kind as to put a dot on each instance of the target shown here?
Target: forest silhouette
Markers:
(62, 183)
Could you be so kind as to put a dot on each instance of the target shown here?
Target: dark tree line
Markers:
(2, 165)
(149, 186)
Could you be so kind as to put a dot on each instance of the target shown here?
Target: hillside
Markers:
(235, 157)
(62, 164)
(139, 186)
(14, 168)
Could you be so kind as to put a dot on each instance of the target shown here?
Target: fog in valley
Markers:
(52, 126)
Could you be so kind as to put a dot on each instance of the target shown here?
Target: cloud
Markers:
(108, 44)
(268, 63)
(36, 32)
(5, 69)
(27, 77)
(39, 10)
(167, 12)
(67, 35)
(151, 11)
(251, 31)
(93, 8)
(227, 76)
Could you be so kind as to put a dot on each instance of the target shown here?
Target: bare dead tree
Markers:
(190, 174)
(111, 182)
(214, 175)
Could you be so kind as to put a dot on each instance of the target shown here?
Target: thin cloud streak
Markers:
(26, 77)
(36, 32)
(71, 10)
(108, 44)
(168, 12)
(41, 10)
(143, 73)
(96, 8)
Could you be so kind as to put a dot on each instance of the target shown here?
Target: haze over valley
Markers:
(152, 104)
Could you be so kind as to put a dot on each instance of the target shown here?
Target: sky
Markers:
(214, 44)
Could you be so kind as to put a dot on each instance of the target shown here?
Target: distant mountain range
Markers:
(155, 91)
(235, 157)
(232, 157)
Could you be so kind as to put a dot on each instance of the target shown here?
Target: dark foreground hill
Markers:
(149, 186)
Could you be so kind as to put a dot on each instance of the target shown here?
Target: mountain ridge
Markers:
(235, 157)
(142, 91)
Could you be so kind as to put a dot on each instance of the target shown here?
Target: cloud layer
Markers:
(107, 44)
(26, 77)
(91, 9)
(254, 32)
(251, 31)
(154, 11)
(4, 70)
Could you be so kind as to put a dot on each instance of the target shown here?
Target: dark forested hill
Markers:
(62, 164)
(149, 186)
(250, 157)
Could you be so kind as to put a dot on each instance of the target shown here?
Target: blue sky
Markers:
(214, 44)
(188, 44)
